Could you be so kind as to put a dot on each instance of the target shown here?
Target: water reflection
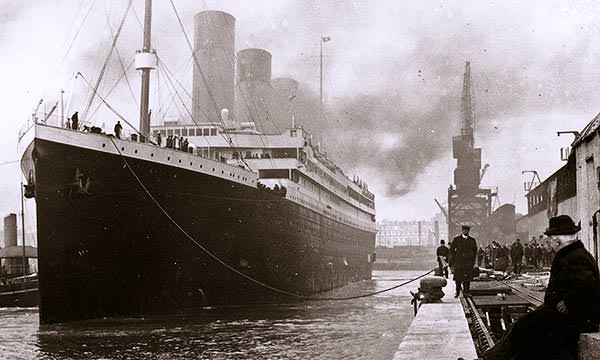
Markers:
(365, 328)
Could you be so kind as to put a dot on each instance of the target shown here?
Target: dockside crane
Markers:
(443, 209)
(485, 167)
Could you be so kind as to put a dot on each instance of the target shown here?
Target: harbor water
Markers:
(365, 328)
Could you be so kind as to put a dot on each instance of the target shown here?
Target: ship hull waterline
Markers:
(107, 249)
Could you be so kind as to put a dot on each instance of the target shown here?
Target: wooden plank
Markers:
(489, 288)
(496, 301)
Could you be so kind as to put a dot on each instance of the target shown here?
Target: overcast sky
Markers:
(393, 79)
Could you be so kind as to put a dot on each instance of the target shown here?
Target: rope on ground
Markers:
(229, 267)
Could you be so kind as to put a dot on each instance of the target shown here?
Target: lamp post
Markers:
(324, 39)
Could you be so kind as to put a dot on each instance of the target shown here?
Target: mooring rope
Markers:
(229, 267)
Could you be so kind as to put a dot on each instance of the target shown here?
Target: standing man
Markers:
(75, 121)
(442, 258)
(516, 256)
(571, 303)
(464, 253)
(118, 129)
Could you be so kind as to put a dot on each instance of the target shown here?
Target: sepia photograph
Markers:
(300, 179)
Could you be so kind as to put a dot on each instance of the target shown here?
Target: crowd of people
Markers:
(174, 142)
(277, 190)
(572, 298)
(502, 256)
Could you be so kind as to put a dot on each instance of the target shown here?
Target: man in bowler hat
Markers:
(571, 303)
(464, 253)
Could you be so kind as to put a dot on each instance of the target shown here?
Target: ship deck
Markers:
(440, 331)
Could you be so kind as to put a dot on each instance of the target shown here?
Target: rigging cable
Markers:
(123, 69)
(229, 267)
(166, 107)
(63, 60)
(168, 72)
(226, 136)
(205, 81)
(107, 104)
(110, 92)
(106, 61)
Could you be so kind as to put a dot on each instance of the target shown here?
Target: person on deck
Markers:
(464, 254)
(118, 128)
(75, 121)
(571, 303)
(442, 259)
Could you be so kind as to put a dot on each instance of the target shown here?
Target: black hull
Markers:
(115, 252)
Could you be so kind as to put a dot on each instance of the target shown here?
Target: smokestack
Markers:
(10, 230)
(285, 91)
(254, 76)
(214, 51)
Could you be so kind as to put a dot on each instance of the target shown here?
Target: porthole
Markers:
(180, 161)
(123, 149)
(135, 151)
(103, 145)
(200, 166)
(152, 155)
(191, 163)
(168, 158)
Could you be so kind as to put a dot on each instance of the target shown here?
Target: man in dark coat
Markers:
(118, 128)
(571, 303)
(464, 252)
(75, 121)
(516, 256)
(442, 258)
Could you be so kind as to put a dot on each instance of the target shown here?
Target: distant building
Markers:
(412, 233)
(587, 155)
(557, 195)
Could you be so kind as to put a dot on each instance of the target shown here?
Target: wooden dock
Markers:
(439, 332)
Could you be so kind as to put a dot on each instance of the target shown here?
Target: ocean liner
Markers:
(129, 226)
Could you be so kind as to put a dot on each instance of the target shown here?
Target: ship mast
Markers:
(145, 60)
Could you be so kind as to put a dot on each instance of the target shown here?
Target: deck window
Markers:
(205, 132)
(169, 132)
(184, 132)
(213, 132)
(177, 132)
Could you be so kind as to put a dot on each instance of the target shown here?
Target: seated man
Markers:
(571, 303)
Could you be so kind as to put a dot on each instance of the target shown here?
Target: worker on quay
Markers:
(464, 253)
(442, 253)
(516, 256)
(571, 303)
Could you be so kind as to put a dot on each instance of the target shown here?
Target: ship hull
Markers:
(141, 237)
(19, 295)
